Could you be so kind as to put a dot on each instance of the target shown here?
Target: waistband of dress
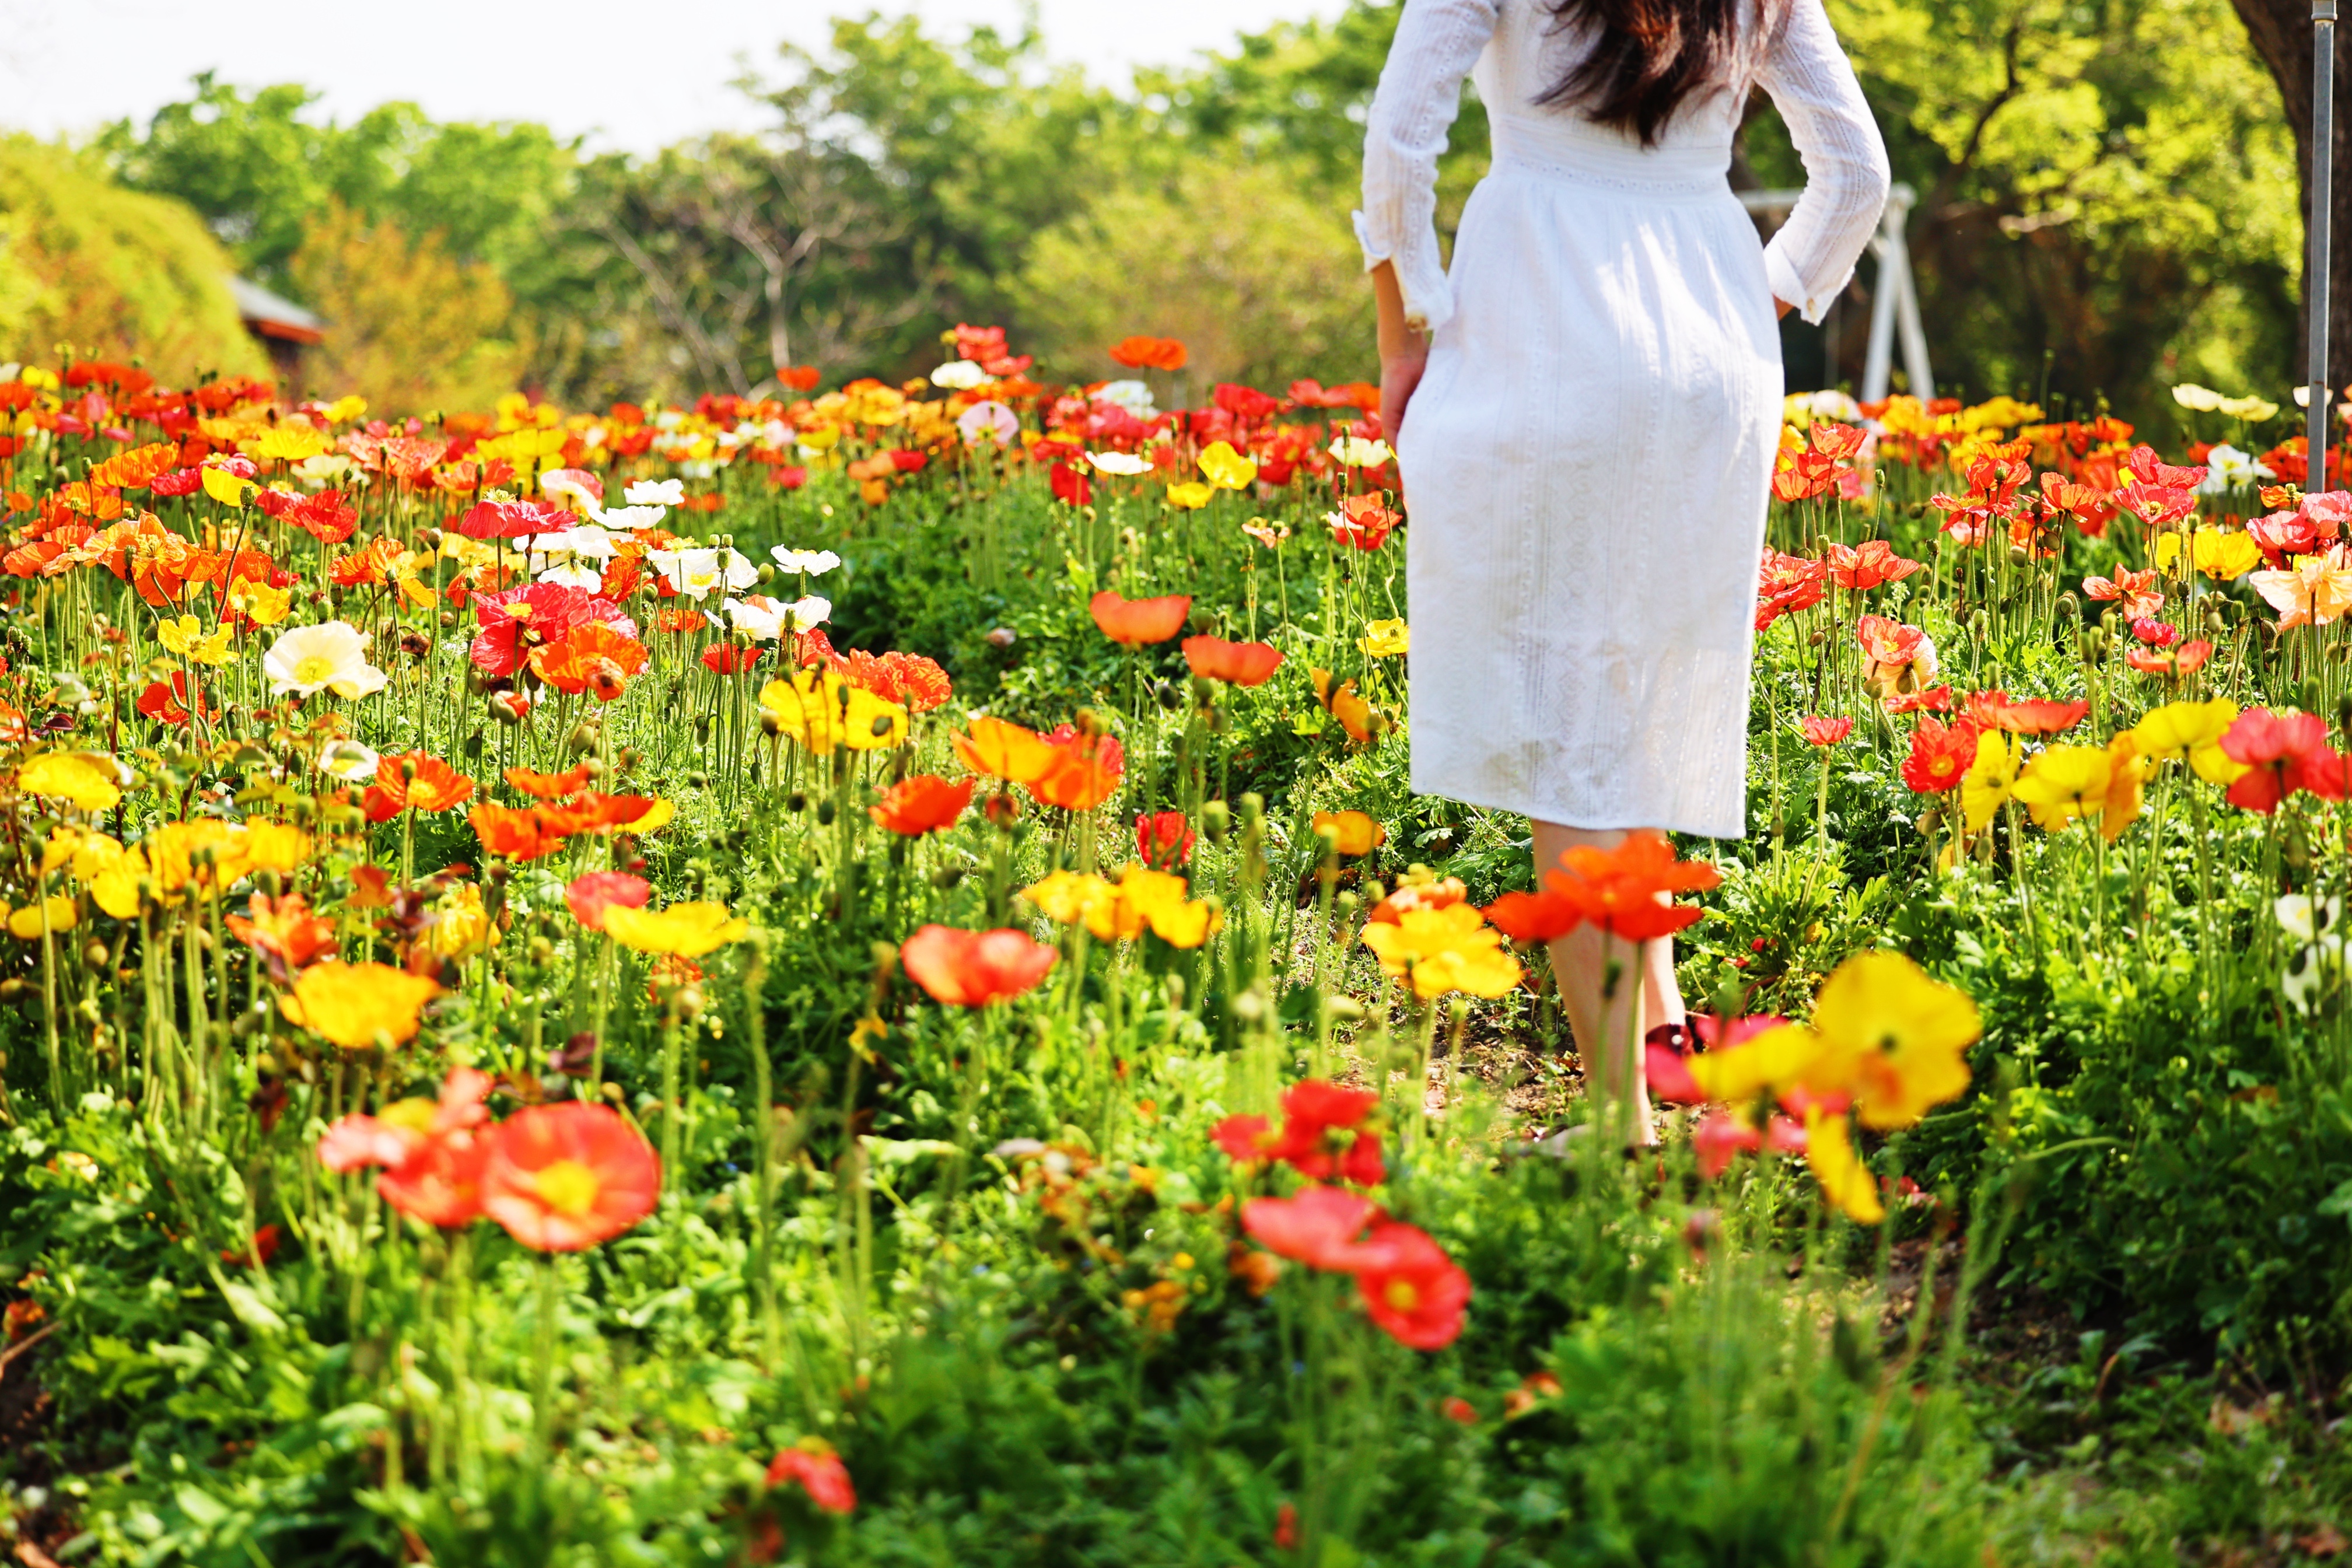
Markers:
(1558, 147)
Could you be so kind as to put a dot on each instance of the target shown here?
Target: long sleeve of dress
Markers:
(1437, 42)
(1813, 84)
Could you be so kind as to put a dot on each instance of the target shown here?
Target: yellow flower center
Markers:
(315, 671)
(1402, 1295)
(568, 1187)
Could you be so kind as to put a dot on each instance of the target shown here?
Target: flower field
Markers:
(855, 978)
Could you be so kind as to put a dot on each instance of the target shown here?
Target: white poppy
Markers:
(574, 574)
(1355, 452)
(807, 615)
(2227, 468)
(1124, 464)
(697, 573)
(656, 492)
(2204, 399)
(959, 376)
(330, 656)
(348, 760)
(813, 562)
(760, 619)
(627, 519)
(1132, 395)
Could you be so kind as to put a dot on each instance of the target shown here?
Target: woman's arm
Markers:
(1813, 84)
(1436, 43)
(1405, 349)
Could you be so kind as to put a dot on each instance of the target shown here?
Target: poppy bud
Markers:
(796, 802)
(947, 878)
(1003, 637)
(1346, 903)
(2019, 555)
(769, 725)
(2216, 623)
(473, 744)
(1215, 818)
(2309, 696)
(767, 573)
(1345, 1008)
(698, 779)
(1253, 807)
(825, 813)
(2344, 711)
(1931, 819)
(1249, 1006)
(509, 707)
(581, 739)
(1169, 697)
(1089, 723)
(881, 725)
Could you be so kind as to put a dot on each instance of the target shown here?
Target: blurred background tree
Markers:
(409, 326)
(2107, 204)
(112, 273)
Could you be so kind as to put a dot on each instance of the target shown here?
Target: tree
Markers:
(1260, 279)
(111, 273)
(409, 326)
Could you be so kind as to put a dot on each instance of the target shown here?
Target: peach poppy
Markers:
(1239, 663)
(921, 803)
(971, 969)
(1823, 731)
(548, 786)
(1085, 773)
(1132, 623)
(586, 652)
(1317, 1226)
(565, 1176)
(1355, 714)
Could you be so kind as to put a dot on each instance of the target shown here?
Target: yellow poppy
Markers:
(354, 1005)
(1990, 777)
(273, 847)
(2181, 727)
(1443, 950)
(822, 712)
(682, 931)
(1845, 1180)
(1190, 496)
(184, 636)
(26, 923)
(1386, 640)
(1356, 832)
(1226, 469)
(82, 779)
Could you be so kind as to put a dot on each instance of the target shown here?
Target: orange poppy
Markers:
(1148, 353)
(438, 786)
(1241, 663)
(920, 804)
(1355, 714)
(283, 931)
(586, 652)
(548, 786)
(973, 968)
(1352, 832)
(520, 833)
(1004, 750)
(565, 1176)
(1086, 770)
(1534, 917)
(1132, 623)
(1618, 890)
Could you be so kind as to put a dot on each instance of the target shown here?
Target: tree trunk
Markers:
(2280, 31)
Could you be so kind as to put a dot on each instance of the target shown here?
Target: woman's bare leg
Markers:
(1605, 1010)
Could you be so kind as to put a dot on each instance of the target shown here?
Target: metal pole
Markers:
(2322, 410)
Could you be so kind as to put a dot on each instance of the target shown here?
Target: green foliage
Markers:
(108, 272)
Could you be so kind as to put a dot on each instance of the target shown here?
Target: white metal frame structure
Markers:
(1895, 301)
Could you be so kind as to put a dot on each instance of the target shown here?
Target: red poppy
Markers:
(1364, 521)
(1070, 487)
(907, 678)
(565, 1176)
(1411, 1289)
(168, 702)
(971, 969)
(922, 803)
(441, 1182)
(1239, 663)
(591, 895)
(433, 1172)
(1719, 1136)
(726, 659)
(820, 1473)
(1786, 584)
(513, 519)
(516, 621)
(1534, 917)
(1618, 890)
(1132, 623)
(1244, 1138)
(1317, 1226)
(1163, 839)
(1940, 755)
(1823, 731)
(2278, 749)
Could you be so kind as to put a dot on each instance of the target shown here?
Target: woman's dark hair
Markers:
(1649, 56)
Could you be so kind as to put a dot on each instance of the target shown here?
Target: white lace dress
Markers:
(1587, 459)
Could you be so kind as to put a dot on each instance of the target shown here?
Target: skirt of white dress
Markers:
(1586, 466)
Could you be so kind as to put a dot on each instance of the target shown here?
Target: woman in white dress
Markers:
(1585, 410)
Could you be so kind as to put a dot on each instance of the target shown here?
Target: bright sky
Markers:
(628, 74)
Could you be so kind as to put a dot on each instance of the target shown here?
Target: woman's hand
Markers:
(1404, 352)
(1399, 376)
